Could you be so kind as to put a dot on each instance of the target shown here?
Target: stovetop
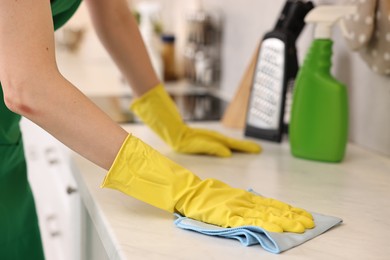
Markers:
(192, 107)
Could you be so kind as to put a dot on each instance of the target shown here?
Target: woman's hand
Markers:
(159, 112)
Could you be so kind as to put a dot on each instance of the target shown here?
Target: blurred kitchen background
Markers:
(211, 52)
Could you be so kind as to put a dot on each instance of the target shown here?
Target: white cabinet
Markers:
(55, 191)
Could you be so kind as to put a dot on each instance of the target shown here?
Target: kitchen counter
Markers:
(356, 190)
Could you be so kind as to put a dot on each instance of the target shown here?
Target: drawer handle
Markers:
(52, 225)
(70, 190)
(52, 156)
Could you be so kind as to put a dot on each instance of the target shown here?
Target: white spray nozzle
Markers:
(326, 16)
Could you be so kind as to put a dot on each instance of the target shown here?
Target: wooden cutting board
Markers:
(235, 114)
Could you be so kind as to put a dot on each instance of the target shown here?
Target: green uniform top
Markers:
(19, 231)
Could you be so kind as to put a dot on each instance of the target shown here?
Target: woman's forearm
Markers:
(61, 109)
(34, 88)
(113, 20)
(73, 119)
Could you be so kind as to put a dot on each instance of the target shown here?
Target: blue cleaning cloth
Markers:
(252, 235)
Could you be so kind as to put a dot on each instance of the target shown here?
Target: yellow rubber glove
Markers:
(159, 112)
(143, 173)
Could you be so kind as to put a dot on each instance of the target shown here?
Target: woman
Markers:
(33, 87)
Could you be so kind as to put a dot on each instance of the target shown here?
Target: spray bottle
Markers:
(319, 117)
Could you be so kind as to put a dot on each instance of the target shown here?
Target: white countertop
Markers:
(357, 190)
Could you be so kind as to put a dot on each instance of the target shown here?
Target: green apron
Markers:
(19, 230)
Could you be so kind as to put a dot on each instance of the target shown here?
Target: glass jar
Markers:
(168, 56)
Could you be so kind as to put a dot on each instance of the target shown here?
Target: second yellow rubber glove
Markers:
(159, 112)
(143, 173)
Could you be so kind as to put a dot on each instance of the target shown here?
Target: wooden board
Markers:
(235, 113)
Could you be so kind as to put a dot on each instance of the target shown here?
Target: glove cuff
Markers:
(157, 110)
(143, 173)
(152, 101)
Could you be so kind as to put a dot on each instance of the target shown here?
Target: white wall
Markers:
(246, 21)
